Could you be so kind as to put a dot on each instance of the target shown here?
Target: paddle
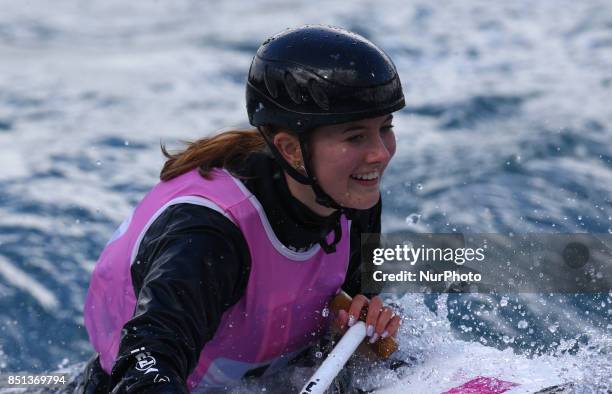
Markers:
(323, 377)
(337, 358)
(382, 348)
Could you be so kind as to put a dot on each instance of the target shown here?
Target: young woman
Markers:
(225, 269)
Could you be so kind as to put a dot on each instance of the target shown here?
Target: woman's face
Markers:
(350, 158)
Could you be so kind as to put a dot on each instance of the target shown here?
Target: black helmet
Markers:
(316, 75)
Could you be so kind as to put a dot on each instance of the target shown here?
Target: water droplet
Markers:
(319, 354)
(98, 163)
(522, 324)
(553, 328)
(413, 218)
(325, 312)
(126, 143)
(419, 186)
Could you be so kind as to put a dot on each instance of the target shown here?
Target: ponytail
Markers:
(226, 150)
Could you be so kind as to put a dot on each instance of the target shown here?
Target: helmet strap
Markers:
(325, 199)
(322, 198)
(293, 173)
(331, 247)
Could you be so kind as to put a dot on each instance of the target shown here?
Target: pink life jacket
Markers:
(282, 310)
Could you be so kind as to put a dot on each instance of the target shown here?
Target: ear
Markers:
(289, 146)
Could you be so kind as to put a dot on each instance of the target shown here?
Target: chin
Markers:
(363, 203)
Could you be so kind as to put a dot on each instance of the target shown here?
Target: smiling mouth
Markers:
(369, 177)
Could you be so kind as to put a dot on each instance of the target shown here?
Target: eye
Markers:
(356, 138)
(386, 128)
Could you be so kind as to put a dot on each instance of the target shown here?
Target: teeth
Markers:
(369, 176)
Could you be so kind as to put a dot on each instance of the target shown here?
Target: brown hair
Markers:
(224, 150)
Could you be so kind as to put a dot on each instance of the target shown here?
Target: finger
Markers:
(374, 310)
(383, 320)
(341, 320)
(392, 327)
(359, 301)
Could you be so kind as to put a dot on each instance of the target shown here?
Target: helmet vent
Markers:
(292, 88)
(270, 83)
(318, 94)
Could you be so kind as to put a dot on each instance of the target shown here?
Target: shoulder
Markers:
(191, 219)
(186, 233)
(192, 214)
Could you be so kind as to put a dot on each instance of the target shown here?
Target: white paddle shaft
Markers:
(323, 377)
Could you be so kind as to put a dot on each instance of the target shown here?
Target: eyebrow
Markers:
(360, 127)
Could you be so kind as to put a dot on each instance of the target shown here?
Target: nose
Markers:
(379, 152)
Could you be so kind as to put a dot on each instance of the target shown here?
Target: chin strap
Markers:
(293, 173)
(334, 220)
(322, 198)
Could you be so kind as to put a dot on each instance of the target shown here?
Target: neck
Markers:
(306, 196)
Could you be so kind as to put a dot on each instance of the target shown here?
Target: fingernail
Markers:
(351, 321)
(370, 330)
(384, 334)
(374, 337)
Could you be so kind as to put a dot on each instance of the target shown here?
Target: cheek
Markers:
(333, 166)
(334, 161)
(390, 143)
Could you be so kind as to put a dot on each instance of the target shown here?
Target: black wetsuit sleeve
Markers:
(367, 221)
(192, 265)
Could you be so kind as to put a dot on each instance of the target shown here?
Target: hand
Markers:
(380, 320)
